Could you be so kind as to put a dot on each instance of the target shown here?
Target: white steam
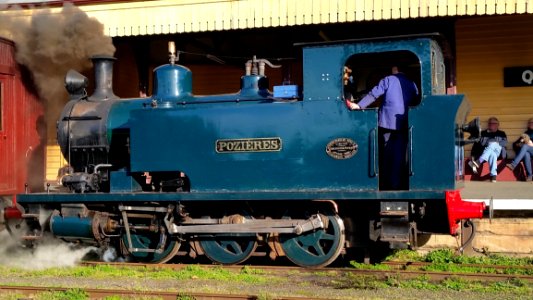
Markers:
(111, 255)
(49, 253)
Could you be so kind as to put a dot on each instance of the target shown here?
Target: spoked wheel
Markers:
(316, 248)
(149, 240)
(229, 249)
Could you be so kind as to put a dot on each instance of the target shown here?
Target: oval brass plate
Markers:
(341, 148)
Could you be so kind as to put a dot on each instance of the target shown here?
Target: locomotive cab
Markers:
(352, 68)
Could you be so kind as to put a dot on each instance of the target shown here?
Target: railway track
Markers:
(404, 265)
(102, 293)
(397, 269)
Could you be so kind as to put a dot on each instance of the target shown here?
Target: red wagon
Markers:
(22, 130)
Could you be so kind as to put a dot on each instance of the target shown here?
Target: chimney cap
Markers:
(103, 56)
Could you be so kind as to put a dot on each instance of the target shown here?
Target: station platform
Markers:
(505, 195)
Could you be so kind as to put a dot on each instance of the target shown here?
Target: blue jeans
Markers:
(490, 155)
(525, 154)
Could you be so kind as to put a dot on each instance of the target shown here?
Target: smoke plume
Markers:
(50, 43)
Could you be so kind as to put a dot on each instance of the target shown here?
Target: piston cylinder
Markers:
(72, 228)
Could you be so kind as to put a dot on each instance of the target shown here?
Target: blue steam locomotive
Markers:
(293, 172)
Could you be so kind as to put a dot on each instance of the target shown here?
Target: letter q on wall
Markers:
(518, 76)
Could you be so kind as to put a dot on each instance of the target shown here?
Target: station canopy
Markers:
(131, 18)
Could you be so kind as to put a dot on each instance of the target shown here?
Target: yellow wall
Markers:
(485, 45)
(54, 161)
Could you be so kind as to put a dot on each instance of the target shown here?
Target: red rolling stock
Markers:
(22, 128)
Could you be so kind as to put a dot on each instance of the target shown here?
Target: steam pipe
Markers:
(256, 66)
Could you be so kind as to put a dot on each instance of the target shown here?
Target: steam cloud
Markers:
(48, 253)
(49, 44)
(51, 253)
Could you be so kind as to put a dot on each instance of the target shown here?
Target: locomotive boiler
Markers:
(288, 173)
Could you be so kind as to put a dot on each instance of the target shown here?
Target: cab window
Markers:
(364, 71)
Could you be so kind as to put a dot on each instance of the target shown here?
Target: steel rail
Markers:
(406, 274)
(102, 293)
(421, 264)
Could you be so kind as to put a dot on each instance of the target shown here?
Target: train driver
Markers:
(399, 92)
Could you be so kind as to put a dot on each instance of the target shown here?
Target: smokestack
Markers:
(103, 78)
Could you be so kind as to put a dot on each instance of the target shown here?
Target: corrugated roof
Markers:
(168, 16)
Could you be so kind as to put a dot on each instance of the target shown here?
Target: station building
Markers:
(489, 43)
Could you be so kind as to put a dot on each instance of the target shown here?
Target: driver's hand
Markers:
(351, 105)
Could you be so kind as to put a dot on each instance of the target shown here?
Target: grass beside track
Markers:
(246, 275)
(292, 283)
(446, 260)
(514, 286)
(450, 256)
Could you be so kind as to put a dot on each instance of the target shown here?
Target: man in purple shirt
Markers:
(399, 92)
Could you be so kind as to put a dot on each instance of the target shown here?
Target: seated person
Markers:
(489, 148)
(525, 152)
(517, 145)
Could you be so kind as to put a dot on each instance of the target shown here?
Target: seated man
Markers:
(524, 149)
(490, 146)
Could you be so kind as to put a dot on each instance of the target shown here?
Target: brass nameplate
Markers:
(341, 148)
(248, 145)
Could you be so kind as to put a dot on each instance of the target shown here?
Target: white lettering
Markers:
(527, 76)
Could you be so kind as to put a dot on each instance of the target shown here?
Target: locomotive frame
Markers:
(150, 174)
